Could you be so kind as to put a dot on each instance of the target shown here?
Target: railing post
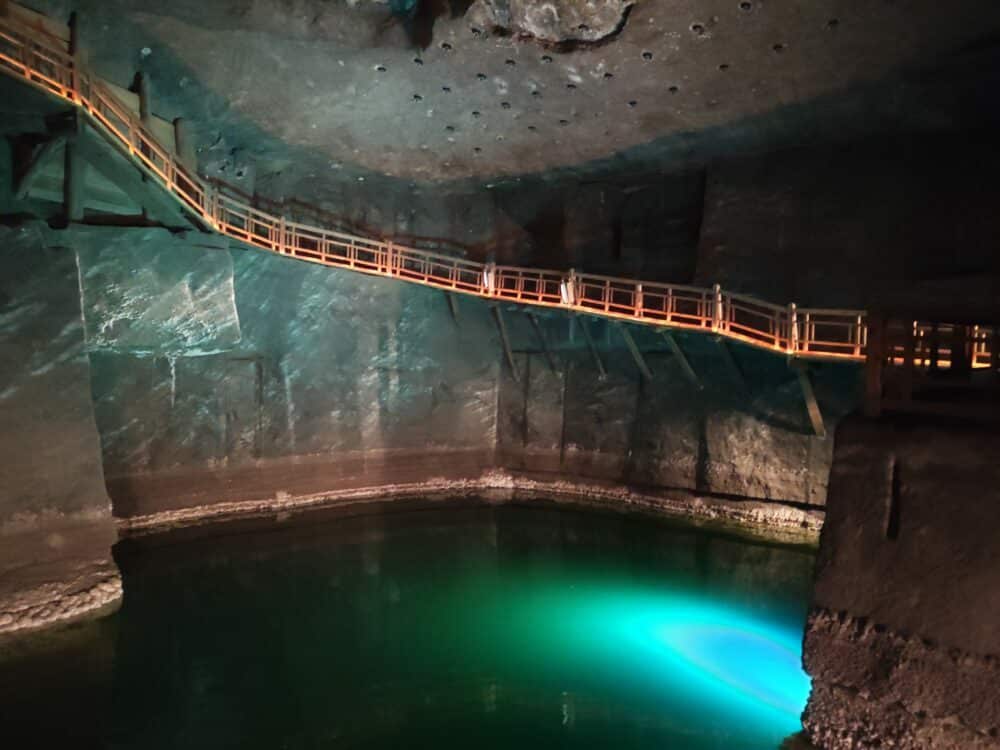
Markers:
(638, 301)
(716, 307)
(212, 205)
(282, 235)
(793, 329)
(74, 51)
(389, 254)
(670, 304)
(857, 337)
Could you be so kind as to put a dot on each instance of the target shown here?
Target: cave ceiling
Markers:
(474, 91)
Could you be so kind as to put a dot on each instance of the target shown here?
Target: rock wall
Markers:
(917, 232)
(234, 375)
(253, 374)
(56, 528)
(742, 430)
(902, 641)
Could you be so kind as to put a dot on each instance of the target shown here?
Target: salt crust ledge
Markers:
(768, 520)
(90, 592)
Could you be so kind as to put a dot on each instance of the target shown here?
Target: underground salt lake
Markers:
(472, 625)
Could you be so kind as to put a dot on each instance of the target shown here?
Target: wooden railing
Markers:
(45, 61)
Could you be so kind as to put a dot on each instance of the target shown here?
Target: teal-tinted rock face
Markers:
(56, 528)
(52, 462)
(147, 291)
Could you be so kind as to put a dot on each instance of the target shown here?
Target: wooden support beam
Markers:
(105, 159)
(640, 362)
(505, 341)
(75, 173)
(812, 405)
(995, 351)
(874, 363)
(909, 355)
(682, 360)
(37, 164)
(184, 144)
(452, 305)
(144, 88)
(732, 365)
(592, 347)
(544, 343)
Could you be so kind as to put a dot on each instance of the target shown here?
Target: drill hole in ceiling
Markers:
(698, 28)
(647, 55)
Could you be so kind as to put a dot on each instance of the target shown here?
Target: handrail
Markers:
(46, 63)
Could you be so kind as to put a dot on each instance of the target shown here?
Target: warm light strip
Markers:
(32, 55)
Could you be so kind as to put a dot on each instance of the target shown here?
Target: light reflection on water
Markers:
(475, 627)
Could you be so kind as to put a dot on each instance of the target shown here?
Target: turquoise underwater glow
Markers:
(683, 656)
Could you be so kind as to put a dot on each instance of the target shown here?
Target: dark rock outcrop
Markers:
(555, 21)
(902, 642)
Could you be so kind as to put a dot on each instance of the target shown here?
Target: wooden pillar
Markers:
(874, 362)
(144, 88)
(995, 350)
(184, 143)
(961, 351)
(74, 174)
(909, 357)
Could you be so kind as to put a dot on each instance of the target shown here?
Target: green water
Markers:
(509, 627)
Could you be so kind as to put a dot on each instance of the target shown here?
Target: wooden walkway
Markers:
(46, 56)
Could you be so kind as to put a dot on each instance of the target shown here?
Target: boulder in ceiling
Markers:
(554, 22)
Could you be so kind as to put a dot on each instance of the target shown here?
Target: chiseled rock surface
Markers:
(329, 363)
(148, 291)
(56, 528)
(742, 435)
(902, 642)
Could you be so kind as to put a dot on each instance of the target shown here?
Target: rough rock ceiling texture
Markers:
(424, 92)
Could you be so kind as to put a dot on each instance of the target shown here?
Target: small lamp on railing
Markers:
(489, 278)
(567, 288)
